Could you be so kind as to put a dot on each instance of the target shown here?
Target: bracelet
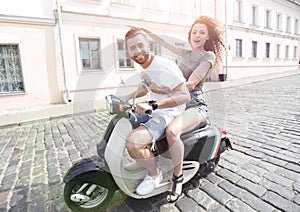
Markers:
(153, 104)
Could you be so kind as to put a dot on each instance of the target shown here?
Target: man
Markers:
(166, 84)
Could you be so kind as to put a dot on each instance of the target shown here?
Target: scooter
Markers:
(91, 184)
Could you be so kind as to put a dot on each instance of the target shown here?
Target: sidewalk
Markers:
(47, 112)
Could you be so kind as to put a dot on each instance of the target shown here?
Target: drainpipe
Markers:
(59, 18)
(226, 42)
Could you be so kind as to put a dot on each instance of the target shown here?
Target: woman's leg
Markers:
(185, 122)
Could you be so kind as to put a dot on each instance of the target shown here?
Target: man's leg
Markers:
(136, 144)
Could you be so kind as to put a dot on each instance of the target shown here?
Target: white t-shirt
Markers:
(161, 77)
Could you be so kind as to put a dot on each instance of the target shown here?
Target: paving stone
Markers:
(231, 188)
(297, 199)
(259, 149)
(226, 174)
(215, 192)
(213, 178)
(254, 169)
(227, 165)
(288, 174)
(256, 202)
(252, 187)
(237, 205)
(280, 202)
(264, 165)
(202, 198)
(4, 197)
(185, 204)
(255, 154)
(248, 175)
(297, 187)
(287, 158)
(293, 167)
(278, 179)
(282, 191)
(19, 197)
(37, 205)
(164, 208)
(275, 161)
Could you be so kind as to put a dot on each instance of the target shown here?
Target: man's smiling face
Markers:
(138, 48)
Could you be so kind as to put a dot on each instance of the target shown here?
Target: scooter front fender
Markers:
(84, 166)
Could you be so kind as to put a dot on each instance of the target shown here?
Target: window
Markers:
(279, 22)
(238, 11)
(278, 51)
(254, 49)
(196, 8)
(177, 6)
(90, 53)
(295, 52)
(254, 15)
(155, 48)
(296, 27)
(123, 56)
(121, 1)
(268, 19)
(267, 53)
(11, 77)
(238, 48)
(287, 52)
(152, 4)
(288, 24)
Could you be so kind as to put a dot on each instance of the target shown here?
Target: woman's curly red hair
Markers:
(215, 43)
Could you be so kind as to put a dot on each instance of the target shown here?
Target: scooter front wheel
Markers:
(87, 194)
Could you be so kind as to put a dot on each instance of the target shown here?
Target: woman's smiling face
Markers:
(199, 35)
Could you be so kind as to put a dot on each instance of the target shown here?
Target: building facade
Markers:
(55, 51)
(262, 36)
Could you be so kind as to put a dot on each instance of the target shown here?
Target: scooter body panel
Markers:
(202, 145)
(199, 145)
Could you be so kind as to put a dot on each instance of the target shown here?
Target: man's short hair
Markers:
(134, 32)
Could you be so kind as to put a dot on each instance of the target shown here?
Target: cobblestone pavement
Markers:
(262, 173)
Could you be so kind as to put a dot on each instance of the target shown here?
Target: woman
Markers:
(206, 39)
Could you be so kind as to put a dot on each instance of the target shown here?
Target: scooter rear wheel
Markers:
(85, 193)
(208, 167)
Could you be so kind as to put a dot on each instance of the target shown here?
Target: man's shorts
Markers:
(155, 124)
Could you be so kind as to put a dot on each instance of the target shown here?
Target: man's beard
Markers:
(141, 59)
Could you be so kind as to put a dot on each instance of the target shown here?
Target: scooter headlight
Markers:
(109, 104)
(115, 105)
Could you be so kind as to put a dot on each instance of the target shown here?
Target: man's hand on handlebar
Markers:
(142, 107)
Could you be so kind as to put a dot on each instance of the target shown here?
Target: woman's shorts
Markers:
(197, 101)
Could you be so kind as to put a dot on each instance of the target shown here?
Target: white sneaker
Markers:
(149, 184)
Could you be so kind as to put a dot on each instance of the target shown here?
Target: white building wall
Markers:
(29, 24)
(32, 24)
(246, 65)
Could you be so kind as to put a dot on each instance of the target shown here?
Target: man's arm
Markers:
(140, 92)
(179, 95)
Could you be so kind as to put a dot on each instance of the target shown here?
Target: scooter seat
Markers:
(161, 144)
